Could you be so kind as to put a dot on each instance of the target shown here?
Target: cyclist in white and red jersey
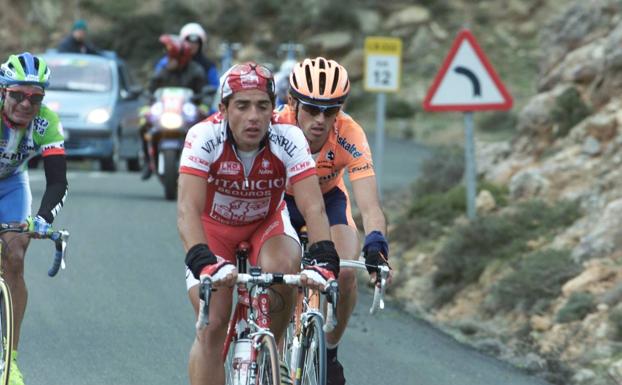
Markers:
(318, 90)
(27, 127)
(233, 173)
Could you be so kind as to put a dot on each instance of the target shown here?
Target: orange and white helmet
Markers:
(319, 81)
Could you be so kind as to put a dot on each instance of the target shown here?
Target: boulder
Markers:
(331, 42)
(602, 127)
(528, 184)
(605, 236)
(369, 20)
(594, 273)
(410, 16)
(591, 146)
(485, 202)
(354, 63)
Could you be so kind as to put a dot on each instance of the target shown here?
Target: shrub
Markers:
(470, 247)
(432, 212)
(568, 111)
(497, 121)
(441, 171)
(615, 319)
(576, 308)
(398, 108)
(537, 280)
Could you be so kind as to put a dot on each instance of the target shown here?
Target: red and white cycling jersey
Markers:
(236, 196)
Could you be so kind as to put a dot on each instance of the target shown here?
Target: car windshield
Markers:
(73, 74)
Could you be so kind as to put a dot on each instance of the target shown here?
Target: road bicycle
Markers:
(304, 349)
(250, 351)
(60, 238)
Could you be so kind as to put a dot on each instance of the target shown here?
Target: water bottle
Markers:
(294, 357)
(241, 361)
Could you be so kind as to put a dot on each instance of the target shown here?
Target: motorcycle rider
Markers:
(179, 71)
(195, 35)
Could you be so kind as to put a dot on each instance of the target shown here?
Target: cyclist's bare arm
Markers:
(366, 196)
(190, 205)
(310, 202)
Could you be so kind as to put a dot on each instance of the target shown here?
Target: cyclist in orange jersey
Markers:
(318, 90)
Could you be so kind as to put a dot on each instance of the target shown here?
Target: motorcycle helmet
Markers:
(193, 32)
(25, 69)
(319, 81)
(177, 49)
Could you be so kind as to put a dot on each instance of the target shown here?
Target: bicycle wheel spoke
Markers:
(313, 365)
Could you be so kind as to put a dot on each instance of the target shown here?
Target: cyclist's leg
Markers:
(279, 251)
(206, 366)
(15, 202)
(346, 242)
(344, 234)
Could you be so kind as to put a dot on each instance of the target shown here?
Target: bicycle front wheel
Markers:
(267, 361)
(311, 365)
(6, 332)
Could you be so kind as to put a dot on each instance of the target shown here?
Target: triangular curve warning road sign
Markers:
(467, 81)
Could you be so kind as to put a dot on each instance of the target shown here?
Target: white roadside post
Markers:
(383, 62)
(467, 82)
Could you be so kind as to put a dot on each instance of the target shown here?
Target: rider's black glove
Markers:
(198, 257)
(324, 254)
(375, 251)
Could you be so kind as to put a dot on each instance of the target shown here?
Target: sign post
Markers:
(383, 57)
(467, 82)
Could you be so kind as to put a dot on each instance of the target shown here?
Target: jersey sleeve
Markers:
(295, 152)
(195, 159)
(48, 133)
(361, 163)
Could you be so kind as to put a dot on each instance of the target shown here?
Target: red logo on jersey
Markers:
(198, 160)
(300, 166)
(229, 168)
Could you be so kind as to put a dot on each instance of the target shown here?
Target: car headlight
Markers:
(171, 120)
(98, 116)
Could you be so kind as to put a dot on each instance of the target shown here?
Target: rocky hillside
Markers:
(537, 279)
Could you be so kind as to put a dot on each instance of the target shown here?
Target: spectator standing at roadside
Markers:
(77, 41)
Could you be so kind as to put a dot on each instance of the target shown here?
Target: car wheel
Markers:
(133, 164)
(111, 162)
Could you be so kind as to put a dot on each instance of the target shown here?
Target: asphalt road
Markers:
(119, 313)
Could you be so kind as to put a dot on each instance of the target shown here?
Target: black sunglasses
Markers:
(315, 110)
(20, 96)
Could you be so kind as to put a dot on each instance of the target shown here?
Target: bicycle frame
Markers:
(250, 321)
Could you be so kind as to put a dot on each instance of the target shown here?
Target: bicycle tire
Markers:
(6, 332)
(268, 372)
(311, 365)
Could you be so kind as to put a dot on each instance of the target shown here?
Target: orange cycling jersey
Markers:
(346, 147)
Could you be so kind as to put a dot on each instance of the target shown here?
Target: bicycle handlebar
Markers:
(264, 279)
(381, 282)
(60, 238)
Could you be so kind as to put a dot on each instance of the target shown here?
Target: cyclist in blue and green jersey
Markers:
(27, 127)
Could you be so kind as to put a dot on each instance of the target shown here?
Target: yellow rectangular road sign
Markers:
(383, 58)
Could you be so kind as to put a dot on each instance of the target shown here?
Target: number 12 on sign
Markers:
(382, 74)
